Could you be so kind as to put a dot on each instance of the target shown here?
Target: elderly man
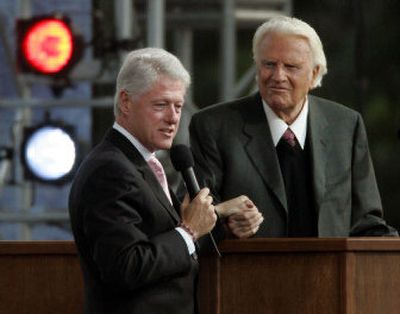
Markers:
(137, 245)
(303, 160)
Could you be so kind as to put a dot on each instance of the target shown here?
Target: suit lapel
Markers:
(261, 150)
(149, 177)
(319, 137)
(141, 165)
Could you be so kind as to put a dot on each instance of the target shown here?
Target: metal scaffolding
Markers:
(181, 18)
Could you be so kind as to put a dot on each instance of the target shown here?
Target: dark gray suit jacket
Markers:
(235, 155)
(133, 260)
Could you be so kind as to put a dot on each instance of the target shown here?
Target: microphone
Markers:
(182, 160)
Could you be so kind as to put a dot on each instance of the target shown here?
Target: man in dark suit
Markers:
(136, 244)
(303, 160)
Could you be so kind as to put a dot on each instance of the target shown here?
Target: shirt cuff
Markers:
(188, 239)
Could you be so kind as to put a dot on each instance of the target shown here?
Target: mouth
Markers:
(168, 132)
(278, 89)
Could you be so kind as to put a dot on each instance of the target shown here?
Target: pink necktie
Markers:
(158, 171)
(289, 137)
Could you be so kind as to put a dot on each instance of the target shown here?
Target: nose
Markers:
(279, 73)
(172, 115)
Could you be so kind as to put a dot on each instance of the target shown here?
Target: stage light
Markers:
(49, 153)
(47, 46)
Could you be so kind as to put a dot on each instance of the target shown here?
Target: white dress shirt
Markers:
(277, 126)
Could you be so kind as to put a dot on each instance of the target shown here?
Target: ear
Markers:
(314, 75)
(124, 101)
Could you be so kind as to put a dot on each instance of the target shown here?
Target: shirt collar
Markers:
(277, 126)
(135, 142)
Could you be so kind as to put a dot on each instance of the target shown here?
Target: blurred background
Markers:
(51, 114)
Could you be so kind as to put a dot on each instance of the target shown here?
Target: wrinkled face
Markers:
(285, 73)
(153, 117)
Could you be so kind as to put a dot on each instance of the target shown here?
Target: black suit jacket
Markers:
(235, 155)
(133, 260)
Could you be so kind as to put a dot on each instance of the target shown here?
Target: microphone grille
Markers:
(181, 157)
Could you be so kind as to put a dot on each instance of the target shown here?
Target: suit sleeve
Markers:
(367, 210)
(130, 245)
(208, 161)
(209, 171)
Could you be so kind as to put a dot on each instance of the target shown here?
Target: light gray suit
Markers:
(235, 155)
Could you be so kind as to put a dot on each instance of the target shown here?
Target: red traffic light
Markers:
(47, 45)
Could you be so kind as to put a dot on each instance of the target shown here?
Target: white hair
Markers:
(293, 26)
(141, 69)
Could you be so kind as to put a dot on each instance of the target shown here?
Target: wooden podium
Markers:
(40, 277)
(278, 276)
(302, 276)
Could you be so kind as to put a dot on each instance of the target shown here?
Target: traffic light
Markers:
(47, 45)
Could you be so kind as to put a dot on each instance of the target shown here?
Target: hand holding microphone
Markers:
(198, 213)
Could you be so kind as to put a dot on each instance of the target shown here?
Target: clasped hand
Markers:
(243, 217)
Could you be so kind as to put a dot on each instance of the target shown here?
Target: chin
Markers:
(165, 145)
(277, 104)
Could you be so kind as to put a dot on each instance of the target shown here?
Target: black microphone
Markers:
(182, 160)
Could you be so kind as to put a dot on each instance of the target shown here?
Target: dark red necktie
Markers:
(289, 137)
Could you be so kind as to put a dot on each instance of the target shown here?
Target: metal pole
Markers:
(288, 7)
(155, 23)
(123, 19)
(183, 44)
(22, 118)
(124, 22)
(228, 48)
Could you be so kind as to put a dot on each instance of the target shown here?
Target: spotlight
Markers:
(49, 153)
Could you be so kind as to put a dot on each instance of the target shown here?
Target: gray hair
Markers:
(141, 69)
(293, 26)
